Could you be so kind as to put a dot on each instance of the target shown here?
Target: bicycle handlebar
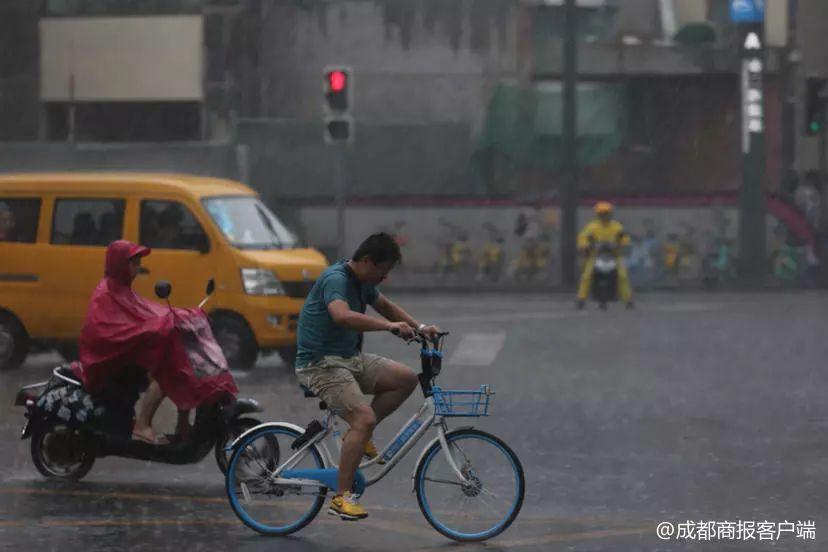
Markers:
(420, 337)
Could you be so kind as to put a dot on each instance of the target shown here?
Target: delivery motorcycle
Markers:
(605, 274)
(70, 428)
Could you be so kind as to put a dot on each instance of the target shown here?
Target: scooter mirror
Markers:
(163, 289)
(211, 286)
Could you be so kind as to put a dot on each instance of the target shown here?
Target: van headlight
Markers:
(258, 281)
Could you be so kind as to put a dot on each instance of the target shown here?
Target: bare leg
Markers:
(149, 405)
(362, 421)
(394, 384)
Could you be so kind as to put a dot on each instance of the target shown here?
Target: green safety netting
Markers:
(524, 125)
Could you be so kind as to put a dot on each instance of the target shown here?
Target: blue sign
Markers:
(747, 11)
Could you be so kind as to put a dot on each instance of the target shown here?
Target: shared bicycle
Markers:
(469, 484)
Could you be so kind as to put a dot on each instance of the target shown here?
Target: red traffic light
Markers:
(337, 80)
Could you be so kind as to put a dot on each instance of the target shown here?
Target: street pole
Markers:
(569, 187)
(790, 65)
(752, 239)
(340, 191)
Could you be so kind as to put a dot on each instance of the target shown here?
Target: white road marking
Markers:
(509, 316)
(687, 307)
(238, 374)
(478, 349)
(557, 315)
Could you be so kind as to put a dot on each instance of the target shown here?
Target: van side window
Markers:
(170, 225)
(18, 219)
(87, 221)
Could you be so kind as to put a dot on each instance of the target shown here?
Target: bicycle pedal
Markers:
(310, 432)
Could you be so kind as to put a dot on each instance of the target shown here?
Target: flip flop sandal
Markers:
(159, 439)
(175, 438)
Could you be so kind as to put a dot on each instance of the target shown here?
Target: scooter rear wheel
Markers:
(58, 452)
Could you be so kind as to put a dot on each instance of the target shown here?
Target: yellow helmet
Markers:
(603, 208)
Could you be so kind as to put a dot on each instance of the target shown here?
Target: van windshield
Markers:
(247, 223)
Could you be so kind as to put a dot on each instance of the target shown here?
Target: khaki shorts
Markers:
(343, 382)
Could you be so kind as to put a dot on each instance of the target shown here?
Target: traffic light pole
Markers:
(569, 186)
(752, 238)
(340, 190)
(337, 87)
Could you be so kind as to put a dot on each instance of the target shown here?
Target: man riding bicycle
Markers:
(330, 361)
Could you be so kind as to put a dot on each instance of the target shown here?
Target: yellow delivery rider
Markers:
(603, 229)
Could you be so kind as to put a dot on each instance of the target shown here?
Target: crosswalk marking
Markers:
(478, 349)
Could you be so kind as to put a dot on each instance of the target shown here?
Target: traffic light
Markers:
(816, 94)
(338, 129)
(337, 83)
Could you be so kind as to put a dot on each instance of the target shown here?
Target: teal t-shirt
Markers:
(317, 335)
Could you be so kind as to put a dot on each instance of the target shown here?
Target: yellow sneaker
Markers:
(371, 452)
(346, 507)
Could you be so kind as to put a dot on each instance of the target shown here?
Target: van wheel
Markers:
(14, 342)
(236, 341)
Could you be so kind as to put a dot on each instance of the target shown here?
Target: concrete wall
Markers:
(423, 71)
(203, 159)
(289, 160)
(422, 61)
(19, 104)
(426, 235)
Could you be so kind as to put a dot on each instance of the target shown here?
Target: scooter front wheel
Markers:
(59, 452)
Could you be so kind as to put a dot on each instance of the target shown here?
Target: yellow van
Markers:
(54, 229)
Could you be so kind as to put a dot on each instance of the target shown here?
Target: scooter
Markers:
(70, 428)
(605, 274)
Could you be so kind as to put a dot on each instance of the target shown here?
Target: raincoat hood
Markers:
(118, 255)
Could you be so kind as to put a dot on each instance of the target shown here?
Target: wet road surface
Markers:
(691, 407)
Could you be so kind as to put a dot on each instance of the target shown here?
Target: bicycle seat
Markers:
(311, 395)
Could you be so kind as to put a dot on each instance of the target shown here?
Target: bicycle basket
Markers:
(462, 403)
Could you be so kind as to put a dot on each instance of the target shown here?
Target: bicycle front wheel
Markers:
(259, 502)
(486, 501)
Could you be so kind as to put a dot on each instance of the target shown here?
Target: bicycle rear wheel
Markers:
(489, 499)
(264, 506)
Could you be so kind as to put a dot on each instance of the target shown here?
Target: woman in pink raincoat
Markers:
(174, 346)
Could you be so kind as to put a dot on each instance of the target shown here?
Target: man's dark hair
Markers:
(379, 248)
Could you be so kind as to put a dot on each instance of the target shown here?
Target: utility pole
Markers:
(569, 186)
(749, 17)
(790, 68)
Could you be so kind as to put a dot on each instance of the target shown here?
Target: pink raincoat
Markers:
(175, 346)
